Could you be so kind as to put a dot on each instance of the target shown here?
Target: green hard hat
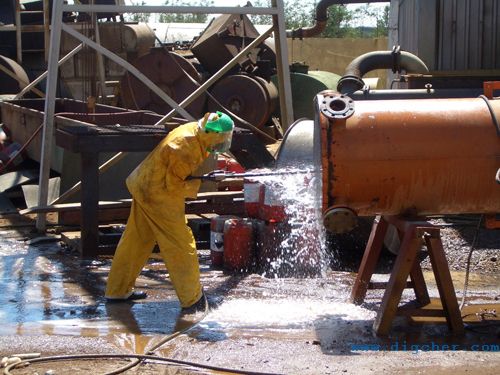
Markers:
(222, 124)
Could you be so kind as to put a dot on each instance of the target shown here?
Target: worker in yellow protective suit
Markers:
(159, 186)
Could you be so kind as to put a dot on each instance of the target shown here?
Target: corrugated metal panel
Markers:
(408, 19)
(451, 34)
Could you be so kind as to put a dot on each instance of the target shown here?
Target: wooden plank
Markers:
(383, 285)
(418, 283)
(369, 261)
(68, 207)
(404, 263)
(444, 283)
(90, 204)
(222, 197)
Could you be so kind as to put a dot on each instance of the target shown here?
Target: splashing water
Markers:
(296, 246)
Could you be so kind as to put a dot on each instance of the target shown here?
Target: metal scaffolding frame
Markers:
(276, 10)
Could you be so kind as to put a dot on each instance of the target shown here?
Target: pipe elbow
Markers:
(307, 32)
(396, 60)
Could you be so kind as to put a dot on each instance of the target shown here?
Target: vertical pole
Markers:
(48, 117)
(285, 87)
(393, 34)
(100, 63)
(46, 28)
(19, 45)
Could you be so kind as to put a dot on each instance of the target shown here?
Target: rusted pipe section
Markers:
(407, 157)
(396, 60)
(321, 18)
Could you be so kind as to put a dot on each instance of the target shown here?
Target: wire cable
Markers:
(469, 257)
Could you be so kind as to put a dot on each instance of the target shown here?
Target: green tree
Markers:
(341, 20)
(137, 17)
(185, 17)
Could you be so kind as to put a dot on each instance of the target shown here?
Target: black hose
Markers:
(162, 342)
(492, 113)
(141, 357)
(396, 60)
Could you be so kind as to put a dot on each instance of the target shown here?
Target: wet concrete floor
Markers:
(52, 302)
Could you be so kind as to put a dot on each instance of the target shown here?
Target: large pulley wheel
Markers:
(249, 97)
(169, 71)
(8, 84)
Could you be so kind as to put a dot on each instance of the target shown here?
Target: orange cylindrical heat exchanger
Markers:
(417, 157)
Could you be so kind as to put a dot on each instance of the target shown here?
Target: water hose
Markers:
(141, 357)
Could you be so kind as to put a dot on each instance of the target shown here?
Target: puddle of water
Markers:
(281, 314)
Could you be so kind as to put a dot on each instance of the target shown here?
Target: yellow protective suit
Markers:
(158, 187)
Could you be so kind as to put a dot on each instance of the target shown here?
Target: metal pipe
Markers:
(321, 18)
(86, 8)
(415, 94)
(48, 114)
(396, 60)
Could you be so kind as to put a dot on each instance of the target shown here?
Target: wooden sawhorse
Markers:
(412, 234)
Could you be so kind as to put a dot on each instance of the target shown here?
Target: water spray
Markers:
(220, 175)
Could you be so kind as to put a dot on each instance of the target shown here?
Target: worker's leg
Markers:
(178, 248)
(134, 249)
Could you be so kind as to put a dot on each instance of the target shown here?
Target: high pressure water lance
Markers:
(220, 175)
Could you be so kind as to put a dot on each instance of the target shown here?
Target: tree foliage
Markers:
(342, 22)
(185, 17)
(137, 17)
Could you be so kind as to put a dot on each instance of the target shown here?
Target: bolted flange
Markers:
(336, 106)
(340, 220)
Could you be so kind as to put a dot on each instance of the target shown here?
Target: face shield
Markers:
(223, 144)
(219, 131)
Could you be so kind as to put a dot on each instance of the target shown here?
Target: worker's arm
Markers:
(183, 158)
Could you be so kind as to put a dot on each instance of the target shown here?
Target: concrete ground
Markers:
(52, 303)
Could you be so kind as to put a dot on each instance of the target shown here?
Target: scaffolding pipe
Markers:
(48, 116)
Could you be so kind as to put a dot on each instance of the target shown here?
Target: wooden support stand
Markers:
(413, 234)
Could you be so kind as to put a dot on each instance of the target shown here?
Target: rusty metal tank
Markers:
(414, 157)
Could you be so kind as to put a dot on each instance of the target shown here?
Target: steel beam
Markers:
(48, 116)
(168, 9)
